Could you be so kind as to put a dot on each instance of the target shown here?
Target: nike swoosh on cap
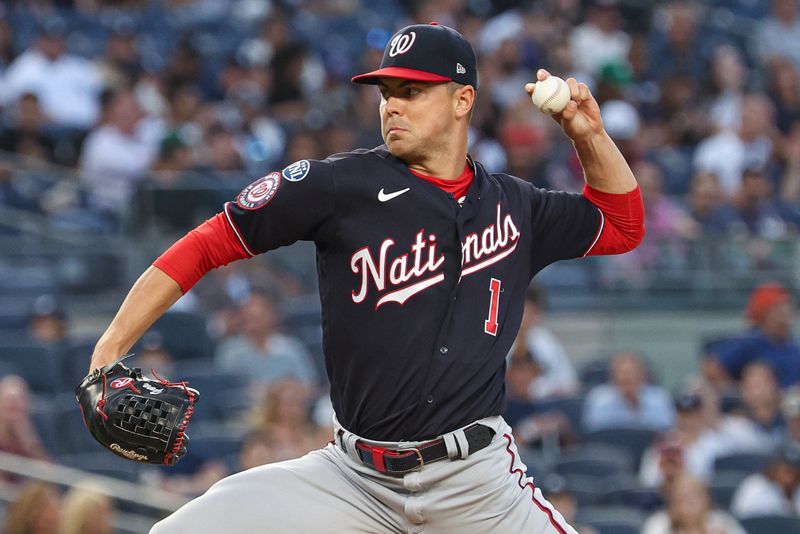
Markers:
(384, 197)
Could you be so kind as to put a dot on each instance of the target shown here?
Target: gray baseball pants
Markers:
(332, 491)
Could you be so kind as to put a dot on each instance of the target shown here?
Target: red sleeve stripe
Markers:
(236, 231)
(599, 233)
(210, 245)
(624, 221)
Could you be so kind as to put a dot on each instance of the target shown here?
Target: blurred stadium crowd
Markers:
(121, 116)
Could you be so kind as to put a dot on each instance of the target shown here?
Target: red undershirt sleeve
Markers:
(210, 245)
(622, 223)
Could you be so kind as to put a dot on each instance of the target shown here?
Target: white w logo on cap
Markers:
(402, 43)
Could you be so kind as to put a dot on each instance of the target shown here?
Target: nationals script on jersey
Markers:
(400, 279)
(421, 296)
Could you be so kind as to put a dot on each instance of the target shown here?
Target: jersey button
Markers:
(443, 350)
(430, 399)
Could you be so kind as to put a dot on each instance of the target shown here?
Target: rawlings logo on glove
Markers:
(136, 417)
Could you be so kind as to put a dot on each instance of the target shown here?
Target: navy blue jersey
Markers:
(421, 297)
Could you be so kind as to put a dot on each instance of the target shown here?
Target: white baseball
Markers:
(551, 95)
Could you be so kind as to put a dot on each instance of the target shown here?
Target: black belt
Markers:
(401, 461)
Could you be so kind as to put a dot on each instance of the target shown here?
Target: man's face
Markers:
(416, 117)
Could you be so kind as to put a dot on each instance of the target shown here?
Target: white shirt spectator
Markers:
(605, 407)
(593, 48)
(68, 87)
(282, 357)
(733, 434)
(758, 495)
(775, 38)
(558, 375)
(119, 153)
(112, 163)
(727, 155)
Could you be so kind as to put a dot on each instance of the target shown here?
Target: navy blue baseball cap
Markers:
(426, 53)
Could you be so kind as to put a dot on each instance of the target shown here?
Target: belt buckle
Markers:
(419, 456)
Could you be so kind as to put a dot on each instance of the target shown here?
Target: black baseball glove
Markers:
(136, 417)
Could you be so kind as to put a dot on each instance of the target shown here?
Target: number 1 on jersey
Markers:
(490, 326)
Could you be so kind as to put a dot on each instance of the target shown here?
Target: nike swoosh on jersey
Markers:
(385, 197)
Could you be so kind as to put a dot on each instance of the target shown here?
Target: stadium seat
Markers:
(634, 440)
(645, 499)
(570, 407)
(185, 335)
(723, 486)
(14, 312)
(594, 373)
(587, 490)
(215, 442)
(745, 462)
(612, 519)
(74, 437)
(301, 312)
(37, 364)
(597, 461)
(538, 465)
(771, 524)
(75, 362)
(215, 386)
(45, 418)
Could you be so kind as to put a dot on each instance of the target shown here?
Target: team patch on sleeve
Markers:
(297, 170)
(259, 192)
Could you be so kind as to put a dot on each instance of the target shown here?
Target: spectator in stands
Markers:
(775, 491)
(509, 71)
(47, 323)
(623, 124)
(726, 87)
(758, 209)
(673, 44)
(68, 86)
(628, 400)
(790, 181)
(600, 40)
(711, 215)
(17, 432)
(778, 36)
(120, 65)
(667, 461)
(700, 435)
(26, 120)
(36, 510)
(152, 354)
(283, 421)
(784, 90)
(87, 512)
(260, 351)
(7, 49)
(770, 313)
(13, 193)
(790, 408)
(531, 421)
(556, 375)
(761, 398)
(749, 146)
(690, 510)
(119, 153)
(668, 225)
(261, 448)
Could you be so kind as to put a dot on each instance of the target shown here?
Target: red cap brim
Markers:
(399, 72)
